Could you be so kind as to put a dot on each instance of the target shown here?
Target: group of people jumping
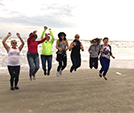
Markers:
(96, 51)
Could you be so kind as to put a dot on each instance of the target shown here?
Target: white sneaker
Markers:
(60, 72)
(57, 74)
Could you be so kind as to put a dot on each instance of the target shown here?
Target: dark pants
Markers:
(93, 63)
(105, 65)
(76, 61)
(14, 72)
(62, 59)
(33, 60)
(48, 59)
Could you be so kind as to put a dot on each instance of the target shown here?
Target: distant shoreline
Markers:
(84, 39)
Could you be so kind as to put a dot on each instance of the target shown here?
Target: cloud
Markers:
(54, 15)
(59, 10)
(1, 4)
(50, 20)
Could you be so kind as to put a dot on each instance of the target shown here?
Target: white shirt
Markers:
(106, 52)
(13, 57)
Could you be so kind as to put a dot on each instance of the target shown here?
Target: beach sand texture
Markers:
(82, 91)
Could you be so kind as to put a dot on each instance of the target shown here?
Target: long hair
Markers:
(59, 35)
(98, 40)
(34, 35)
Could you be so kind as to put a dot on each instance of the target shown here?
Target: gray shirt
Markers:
(95, 50)
(63, 46)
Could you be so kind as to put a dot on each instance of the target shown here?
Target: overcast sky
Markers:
(88, 18)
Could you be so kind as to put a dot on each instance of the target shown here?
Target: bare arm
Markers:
(4, 41)
(71, 46)
(22, 42)
(67, 45)
(113, 56)
(30, 37)
(82, 48)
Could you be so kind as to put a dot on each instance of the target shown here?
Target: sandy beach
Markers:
(80, 92)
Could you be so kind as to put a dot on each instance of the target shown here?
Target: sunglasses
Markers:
(95, 42)
(14, 42)
(76, 37)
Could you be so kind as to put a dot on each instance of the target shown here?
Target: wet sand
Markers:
(82, 91)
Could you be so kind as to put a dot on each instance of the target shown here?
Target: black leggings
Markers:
(93, 63)
(14, 72)
(76, 61)
(62, 59)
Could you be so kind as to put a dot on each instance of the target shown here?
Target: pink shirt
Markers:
(33, 46)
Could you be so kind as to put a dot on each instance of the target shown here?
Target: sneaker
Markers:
(100, 75)
(30, 78)
(105, 78)
(60, 72)
(16, 87)
(12, 88)
(33, 77)
(57, 74)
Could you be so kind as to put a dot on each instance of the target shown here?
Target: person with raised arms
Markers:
(32, 54)
(13, 62)
(46, 53)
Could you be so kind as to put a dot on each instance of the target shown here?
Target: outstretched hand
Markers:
(113, 57)
(45, 27)
(9, 34)
(90, 52)
(34, 32)
(18, 34)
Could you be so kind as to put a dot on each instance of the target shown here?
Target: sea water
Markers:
(122, 50)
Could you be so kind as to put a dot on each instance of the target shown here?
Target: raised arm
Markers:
(42, 35)
(22, 42)
(41, 41)
(52, 40)
(30, 37)
(4, 41)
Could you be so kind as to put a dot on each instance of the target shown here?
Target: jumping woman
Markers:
(46, 53)
(94, 51)
(106, 52)
(32, 54)
(13, 62)
(75, 48)
(62, 46)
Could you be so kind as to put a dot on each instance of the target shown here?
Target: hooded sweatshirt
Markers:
(95, 51)
(47, 45)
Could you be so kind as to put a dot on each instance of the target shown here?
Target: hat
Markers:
(61, 33)
(48, 34)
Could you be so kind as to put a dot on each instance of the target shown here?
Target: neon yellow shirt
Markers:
(47, 45)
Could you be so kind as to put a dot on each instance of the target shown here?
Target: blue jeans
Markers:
(33, 61)
(76, 61)
(105, 65)
(48, 59)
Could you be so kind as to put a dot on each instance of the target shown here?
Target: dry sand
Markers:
(80, 92)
